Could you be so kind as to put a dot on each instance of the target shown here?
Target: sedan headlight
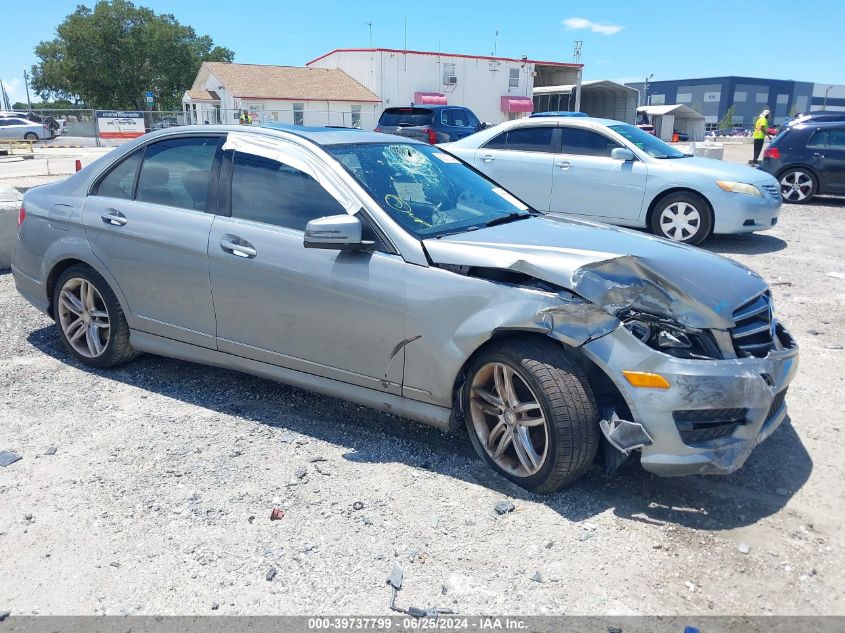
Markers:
(739, 187)
(664, 335)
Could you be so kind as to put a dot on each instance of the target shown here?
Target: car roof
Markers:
(425, 106)
(318, 135)
(809, 124)
(567, 120)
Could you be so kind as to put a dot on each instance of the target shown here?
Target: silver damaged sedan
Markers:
(389, 273)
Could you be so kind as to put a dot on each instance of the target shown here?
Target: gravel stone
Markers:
(271, 573)
(504, 507)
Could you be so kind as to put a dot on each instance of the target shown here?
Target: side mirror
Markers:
(621, 153)
(336, 232)
(483, 125)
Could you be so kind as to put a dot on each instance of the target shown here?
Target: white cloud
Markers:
(15, 89)
(574, 24)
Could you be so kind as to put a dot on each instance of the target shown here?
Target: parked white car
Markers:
(616, 173)
(17, 128)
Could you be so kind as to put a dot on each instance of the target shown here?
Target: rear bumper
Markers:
(749, 391)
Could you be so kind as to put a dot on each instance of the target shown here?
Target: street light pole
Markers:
(26, 84)
(645, 92)
(824, 105)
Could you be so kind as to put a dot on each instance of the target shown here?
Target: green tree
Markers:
(727, 121)
(110, 56)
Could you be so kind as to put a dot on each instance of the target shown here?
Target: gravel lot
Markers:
(158, 497)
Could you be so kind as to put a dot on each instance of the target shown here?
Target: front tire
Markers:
(797, 185)
(531, 414)
(91, 322)
(684, 217)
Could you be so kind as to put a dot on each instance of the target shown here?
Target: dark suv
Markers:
(430, 124)
(808, 159)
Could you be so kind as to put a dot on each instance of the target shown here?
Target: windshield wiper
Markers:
(510, 217)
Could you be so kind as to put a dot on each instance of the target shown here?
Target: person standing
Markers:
(760, 135)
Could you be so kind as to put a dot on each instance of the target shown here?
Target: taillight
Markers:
(378, 129)
(432, 136)
(21, 216)
(771, 152)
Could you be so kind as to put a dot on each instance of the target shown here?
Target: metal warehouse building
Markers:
(712, 96)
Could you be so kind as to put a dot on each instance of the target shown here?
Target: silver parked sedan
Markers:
(386, 272)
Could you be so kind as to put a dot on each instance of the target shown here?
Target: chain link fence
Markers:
(74, 125)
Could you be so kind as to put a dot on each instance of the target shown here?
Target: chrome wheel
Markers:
(83, 317)
(680, 221)
(796, 186)
(508, 420)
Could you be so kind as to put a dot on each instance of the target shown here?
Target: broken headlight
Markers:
(669, 337)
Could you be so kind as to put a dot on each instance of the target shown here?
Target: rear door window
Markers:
(818, 139)
(525, 139)
(586, 143)
(406, 117)
(119, 182)
(531, 139)
(177, 172)
(458, 117)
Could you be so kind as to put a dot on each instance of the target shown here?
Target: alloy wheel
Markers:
(508, 420)
(680, 221)
(796, 186)
(83, 317)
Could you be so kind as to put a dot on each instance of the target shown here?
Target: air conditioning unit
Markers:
(451, 80)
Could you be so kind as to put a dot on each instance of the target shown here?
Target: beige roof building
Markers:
(285, 94)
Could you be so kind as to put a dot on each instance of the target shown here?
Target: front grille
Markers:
(700, 425)
(772, 189)
(752, 332)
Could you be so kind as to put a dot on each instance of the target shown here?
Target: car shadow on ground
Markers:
(744, 244)
(775, 470)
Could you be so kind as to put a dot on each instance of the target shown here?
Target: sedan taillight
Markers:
(21, 217)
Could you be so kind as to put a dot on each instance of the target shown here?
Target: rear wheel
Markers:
(797, 185)
(31, 136)
(684, 217)
(530, 414)
(91, 322)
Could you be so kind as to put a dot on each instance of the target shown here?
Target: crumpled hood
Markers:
(611, 267)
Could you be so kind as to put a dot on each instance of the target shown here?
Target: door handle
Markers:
(113, 217)
(488, 158)
(818, 154)
(564, 164)
(237, 246)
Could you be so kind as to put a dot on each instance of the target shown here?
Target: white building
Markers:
(496, 89)
(283, 94)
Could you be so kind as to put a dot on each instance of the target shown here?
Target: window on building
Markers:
(657, 99)
(176, 172)
(299, 114)
(740, 96)
(356, 116)
(586, 142)
(271, 192)
(513, 80)
(713, 95)
(761, 97)
(783, 99)
(449, 76)
(684, 97)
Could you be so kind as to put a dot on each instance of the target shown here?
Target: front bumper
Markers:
(751, 389)
(741, 213)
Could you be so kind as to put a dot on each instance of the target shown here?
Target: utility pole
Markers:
(824, 105)
(577, 57)
(645, 92)
(26, 83)
(495, 42)
(370, 24)
(4, 99)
